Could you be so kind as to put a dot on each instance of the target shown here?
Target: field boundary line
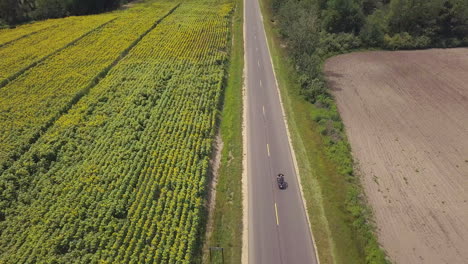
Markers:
(20, 72)
(95, 81)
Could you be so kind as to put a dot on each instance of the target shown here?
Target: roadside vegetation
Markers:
(227, 216)
(303, 34)
(114, 137)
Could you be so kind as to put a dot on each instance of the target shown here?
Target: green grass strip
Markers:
(227, 222)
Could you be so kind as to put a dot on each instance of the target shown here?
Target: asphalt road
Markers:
(278, 227)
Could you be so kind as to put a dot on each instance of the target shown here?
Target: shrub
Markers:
(331, 43)
(398, 41)
(406, 41)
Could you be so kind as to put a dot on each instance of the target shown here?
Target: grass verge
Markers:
(227, 216)
(335, 200)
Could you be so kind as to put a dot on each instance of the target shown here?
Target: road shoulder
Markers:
(228, 211)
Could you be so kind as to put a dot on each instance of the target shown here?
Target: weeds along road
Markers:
(278, 228)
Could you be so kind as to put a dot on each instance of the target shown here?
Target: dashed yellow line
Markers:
(268, 150)
(276, 212)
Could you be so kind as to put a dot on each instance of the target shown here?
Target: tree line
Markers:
(316, 29)
(19, 11)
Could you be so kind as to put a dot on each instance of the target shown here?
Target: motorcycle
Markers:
(282, 184)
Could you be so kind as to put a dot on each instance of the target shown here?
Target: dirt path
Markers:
(215, 163)
(406, 115)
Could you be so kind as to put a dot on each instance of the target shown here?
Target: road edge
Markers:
(245, 181)
(293, 154)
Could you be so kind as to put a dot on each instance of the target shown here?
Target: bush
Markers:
(421, 42)
(312, 89)
(406, 41)
(331, 43)
(3, 24)
(398, 41)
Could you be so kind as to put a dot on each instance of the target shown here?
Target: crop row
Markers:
(20, 54)
(30, 103)
(120, 178)
(9, 35)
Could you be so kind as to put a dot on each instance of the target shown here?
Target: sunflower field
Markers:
(20, 54)
(9, 35)
(119, 177)
(31, 103)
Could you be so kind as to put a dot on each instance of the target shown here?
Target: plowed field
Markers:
(406, 116)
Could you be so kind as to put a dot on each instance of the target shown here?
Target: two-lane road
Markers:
(278, 226)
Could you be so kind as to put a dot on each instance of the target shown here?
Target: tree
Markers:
(50, 9)
(10, 11)
(18, 11)
(453, 19)
(374, 29)
(343, 16)
(417, 17)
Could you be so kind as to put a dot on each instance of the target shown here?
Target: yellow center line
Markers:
(263, 108)
(268, 150)
(276, 212)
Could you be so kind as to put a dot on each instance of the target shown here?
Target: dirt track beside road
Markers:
(406, 116)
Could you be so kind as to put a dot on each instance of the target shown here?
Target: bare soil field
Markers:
(406, 116)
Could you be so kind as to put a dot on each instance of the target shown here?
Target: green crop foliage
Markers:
(120, 177)
(9, 35)
(23, 52)
(30, 103)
